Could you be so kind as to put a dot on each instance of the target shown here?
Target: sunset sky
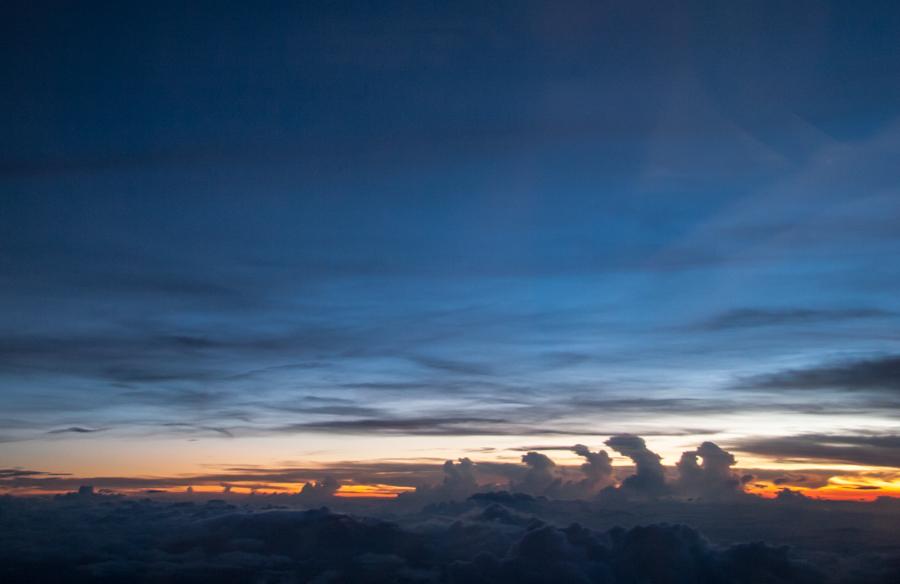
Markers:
(279, 245)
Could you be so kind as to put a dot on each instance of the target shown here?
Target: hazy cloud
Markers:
(874, 374)
(431, 426)
(761, 317)
(861, 449)
(320, 492)
(76, 430)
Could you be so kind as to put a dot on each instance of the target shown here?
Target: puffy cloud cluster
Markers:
(654, 553)
(459, 482)
(701, 473)
(543, 476)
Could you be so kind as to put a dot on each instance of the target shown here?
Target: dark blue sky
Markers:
(448, 219)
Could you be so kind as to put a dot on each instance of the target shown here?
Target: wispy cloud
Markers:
(861, 449)
(880, 374)
(76, 430)
(741, 318)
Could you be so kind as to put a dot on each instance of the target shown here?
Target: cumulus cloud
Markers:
(597, 469)
(459, 476)
(649, 479)
(319, 492)
(544, 477)
(459, 482)
(706, 472)
(540, 478)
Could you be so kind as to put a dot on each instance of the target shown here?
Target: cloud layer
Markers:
(491, 539)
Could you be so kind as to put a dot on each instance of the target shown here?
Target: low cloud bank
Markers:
(108, 539)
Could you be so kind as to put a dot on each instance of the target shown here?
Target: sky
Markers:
(295, 240)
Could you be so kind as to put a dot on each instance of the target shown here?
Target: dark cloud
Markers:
(541, 475)
(321, 492)
(453, 366)
(649, 478)
(143, 355)
(861, 449)
(76, 430)
(431, 426)
(459, 477)
(9, 475)
(597, 468)
(711, 477)
(762, 317)
(491, 540)
(874, 374)
(644, 554)
(458, 483)
(194, 428)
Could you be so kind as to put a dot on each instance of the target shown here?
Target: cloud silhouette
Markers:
(142, 540)
(540, 478)
(76, 430)
(597, 469)
(741, 318)
(319, 492)
(711, 477)
(861, 449)
(649, 479)
(879, 374)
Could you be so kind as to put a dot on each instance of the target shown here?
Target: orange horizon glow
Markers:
(839, 488)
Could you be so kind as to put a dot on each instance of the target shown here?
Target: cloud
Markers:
(11, 474)
(431, 426)
(76, 430)
(453, 366)
(712, 477)
(742, 318)
(192, 428)
(860, 449)
(652, 553)
(649, 477)
(540, 478)
(877, 374)
(319, 492)
(458, 483)
(597, 469)
(151, 540)
(459, 476)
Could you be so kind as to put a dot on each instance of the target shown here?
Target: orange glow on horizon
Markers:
(375, 491)
(853, 483)
(839, 488)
